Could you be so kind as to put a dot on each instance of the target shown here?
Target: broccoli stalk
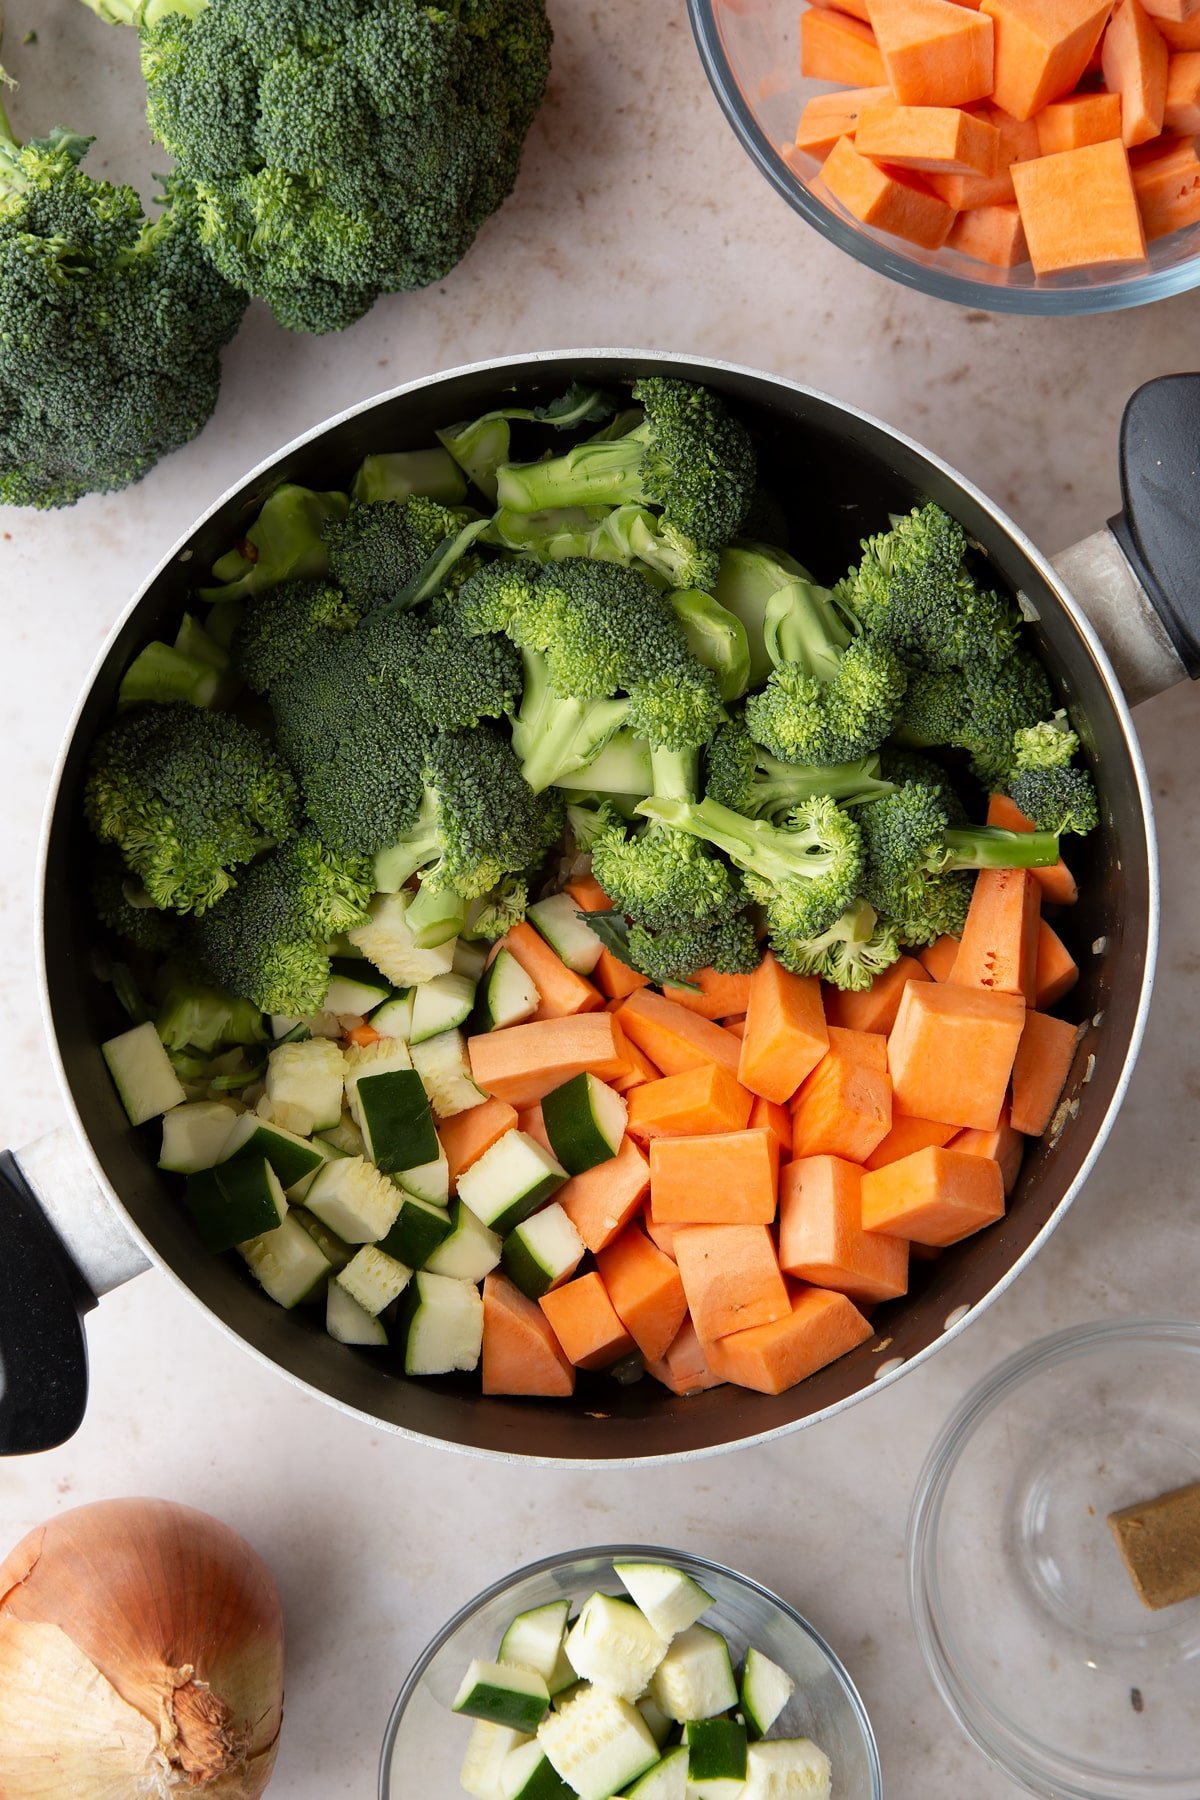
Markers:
(285, 543)
(630, 535)
(480, 446)
(399, 474)
(554, 736)
(752, 781)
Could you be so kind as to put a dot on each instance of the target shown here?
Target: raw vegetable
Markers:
(818, 1327)
(933, 1196)
(844, 1108)
(585, 1323)
(726, 1178)
(187, 1691)
(521, 1354)
(821, 1238)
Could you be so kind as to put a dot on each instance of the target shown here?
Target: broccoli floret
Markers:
(675, 953)
(266, 941)
(497, 911)
(187, 796)
(112, 326)
(1057, 799)
(664, 879)
(913, 591)
(688, 457)
(907, 840)
(630, 535)
(555, 737)
(978, 709)
(749, 779)
(124, 908)
(856, 948)
(339, 152)
(375, 551)
(286, 542)
(201, 1018)
(588, 818)
(279, 626)
(831, 697)
(804, 874)
(458, 679)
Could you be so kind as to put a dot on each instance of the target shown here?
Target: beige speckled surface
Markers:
(637, 220)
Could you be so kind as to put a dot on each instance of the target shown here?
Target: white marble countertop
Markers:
(638, 221)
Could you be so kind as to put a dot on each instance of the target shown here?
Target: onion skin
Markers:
(178, 1617)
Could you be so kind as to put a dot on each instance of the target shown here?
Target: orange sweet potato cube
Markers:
(1042, 48)
(731, 1277)
(951, 1052)
(1079, 209)
(933, 1197)
(818, 1327)
(721, 1178)
(934, 53)
(892, 200)
(582, 1318)
(644, 1287)
(821, 1238)
(843, 1109)
(874, 1008)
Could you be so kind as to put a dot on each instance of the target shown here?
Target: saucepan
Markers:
(1116, 618)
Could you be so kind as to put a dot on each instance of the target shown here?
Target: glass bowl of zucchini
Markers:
(628, 1670)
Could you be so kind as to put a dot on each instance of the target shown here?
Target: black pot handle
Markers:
(1159, 525)
(43, 1299)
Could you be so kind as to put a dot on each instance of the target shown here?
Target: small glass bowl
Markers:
(1025, 1614)
(424, 1744)
(751, 54)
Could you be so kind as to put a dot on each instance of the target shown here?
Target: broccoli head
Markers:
(376, 550)
(266, 941)
(187, 796)
(749, 779)
(124, 908)
(688, 456)
(978, 709)
(458, 679)
(497, 911)
(340, 149)
(281, 624)
(1057, 799)
(856, 948)
(664, 879)
(912, 590)
(112, 326)
(674, 953)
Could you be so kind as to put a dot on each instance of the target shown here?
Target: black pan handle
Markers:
(43, 1299)
(1158, 527)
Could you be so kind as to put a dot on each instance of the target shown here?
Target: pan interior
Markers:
(836, 476)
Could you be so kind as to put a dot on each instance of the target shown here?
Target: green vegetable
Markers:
(285, 543)
(479, 446)
(1041, 782)
(749, 779)
(978, 709)
(203, 1018)
(281, 624)
(124, 908)
(376, 550)
(850, 953)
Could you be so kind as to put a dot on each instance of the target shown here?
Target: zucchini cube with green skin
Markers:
(373, 1278)
(394, 1017)
(615, 1646)
(194, 1134)
(235, 1201)
(393, 1114)
(142, 1073)
(510, 1180)
(354, 1199)
(506, 995)
(528, 1774)
(598, 1743)
(387, 941)
(670, 1599)
(470, 1252)
(345, 1137)
(445, 1068)
(387, 1057)
(292, 1157)
(419, 1228)
(355, 988)
(487, 1749)
(335, 1251)
(300, 1188)
(428, 1181)
(667, 1780)
(542, 1252)
(716, 1758)
(441, 1004)
(440, 1328)
(557, 920)
(766, 1690)
(585, 1122)
(349, 1323)
(503, 1695)
(307, 1078)
(694, 1680)
(534, 1640)
(780, 1768)
(287, 1263)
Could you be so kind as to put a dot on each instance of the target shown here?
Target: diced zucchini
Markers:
(487, 1748)
(354, 987)
(287, 1263)
(194, 1135)
(506, 995)
(354, 1199)
(445, 1068)
(387, 941)
(787, 1766)
(694, 1680)
(585, 1122)
(349, 1323)
(716, 1758)
(660, 1726)
(394, 1018)
(388, 1057)
(542, 1251)
(440, 1327)
(334, 1249)
(392, 1110)
(667, 1780)
(614, 1645)
(510, 1180)
(557, 919)
(373, 1278)
(670, 1599)
(766, 1690)
(469, 959)
(308, 1077)
(502, 1695)
(299, 1189)
(291, 1157)
(528, 1774)
(419, 1228)
(470, 1252)
(598, 1743)
(322, 1024)
(428, 1181)
(439, 1005)
(142, 1073)
(346, 1137)
(235, 1201)
(534, 1640)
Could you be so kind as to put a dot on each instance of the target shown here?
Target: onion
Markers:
(141, 1653)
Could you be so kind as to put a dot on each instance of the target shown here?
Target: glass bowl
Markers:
(424, 1744)
(1023, 1609)
(751, 53)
